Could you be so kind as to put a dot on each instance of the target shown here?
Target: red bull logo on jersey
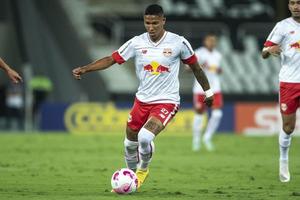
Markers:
(296, 45)
(155, 68)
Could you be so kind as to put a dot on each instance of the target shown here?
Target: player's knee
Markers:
(199, 110)
(145, 137)
(130, 145)
(217, 113)
(289, 128)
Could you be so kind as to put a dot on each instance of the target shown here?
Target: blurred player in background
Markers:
(284, 41)
(157, 55)
(12, 74)
(210, 59)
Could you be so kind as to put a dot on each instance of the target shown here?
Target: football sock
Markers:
(284, 144)
(213, 124)
(145, 137)
(197, 125)
(131, 154)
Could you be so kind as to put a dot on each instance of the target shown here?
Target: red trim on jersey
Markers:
(269, 44)
(191, 60)
(117, 57)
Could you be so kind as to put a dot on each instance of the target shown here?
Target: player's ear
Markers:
(164, 20)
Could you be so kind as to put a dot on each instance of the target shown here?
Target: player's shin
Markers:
(213, 124)
(145, 137)
(284, 144)
(197, 125)
(131, 154)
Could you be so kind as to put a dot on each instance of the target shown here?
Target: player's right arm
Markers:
(125, 52)
(100, 64)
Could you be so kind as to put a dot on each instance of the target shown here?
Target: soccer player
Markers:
(12, 74)
(283, 41)
(210, 58)
(157, 55)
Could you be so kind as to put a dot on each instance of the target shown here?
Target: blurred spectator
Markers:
(14, 107)
(41, 86)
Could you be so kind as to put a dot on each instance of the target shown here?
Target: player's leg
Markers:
(214, 121)
(136, 120)
(198, 121)
(288, 123)
(289, 96)
(160, 115)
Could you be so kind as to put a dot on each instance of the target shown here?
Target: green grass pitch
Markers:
(64, 166)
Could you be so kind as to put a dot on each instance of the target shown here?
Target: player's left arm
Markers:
(203, 81)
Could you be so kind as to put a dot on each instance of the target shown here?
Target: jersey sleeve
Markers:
(125, 52)
(276, 36)
(187, 53)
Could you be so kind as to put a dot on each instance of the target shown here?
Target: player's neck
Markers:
(156, 39)
(297, 19)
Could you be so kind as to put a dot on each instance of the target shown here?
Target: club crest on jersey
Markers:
(296, 45)
(155, 68)
(167, 52)
(144, 51)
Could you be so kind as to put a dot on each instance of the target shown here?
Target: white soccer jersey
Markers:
(211, 60)
(157, 65)
(286, 33)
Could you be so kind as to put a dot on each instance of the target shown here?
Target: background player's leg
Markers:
(131, 149)
(213, 124)
(288, 123)
(198, 123)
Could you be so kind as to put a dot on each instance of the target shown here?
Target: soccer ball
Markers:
(124, 181)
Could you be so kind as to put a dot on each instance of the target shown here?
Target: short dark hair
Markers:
(154, 9)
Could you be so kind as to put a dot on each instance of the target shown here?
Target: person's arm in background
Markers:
(272, 50)
(202, 79)
(12, 74)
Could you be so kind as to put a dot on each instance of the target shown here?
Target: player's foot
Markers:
(196, 147)
(141, 175)
(284, 174)
(209, 145)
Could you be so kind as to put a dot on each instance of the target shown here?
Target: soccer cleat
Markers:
(284, 174)
(141, 175)
(209, 145)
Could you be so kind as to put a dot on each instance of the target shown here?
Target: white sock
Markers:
(197, 126)
(145, 138)
(213, 124)
(284, 144)
(131, 154)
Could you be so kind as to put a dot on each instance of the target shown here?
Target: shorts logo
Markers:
(167, 52)
(129, 118)
(283, 107)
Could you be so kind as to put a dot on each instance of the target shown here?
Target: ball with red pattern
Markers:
(124, 181)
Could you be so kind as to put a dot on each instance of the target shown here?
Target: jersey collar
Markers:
(159, 41)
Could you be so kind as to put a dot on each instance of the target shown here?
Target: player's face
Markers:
(294, 7)
(155, 26)
(210, 42)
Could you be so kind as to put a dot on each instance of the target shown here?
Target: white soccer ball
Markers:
(124, 181)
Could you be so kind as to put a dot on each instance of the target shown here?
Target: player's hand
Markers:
(14, 76)
(209, 101)
(77, 72)
(274, 50)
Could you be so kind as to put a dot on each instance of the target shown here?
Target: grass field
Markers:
(63, 166)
